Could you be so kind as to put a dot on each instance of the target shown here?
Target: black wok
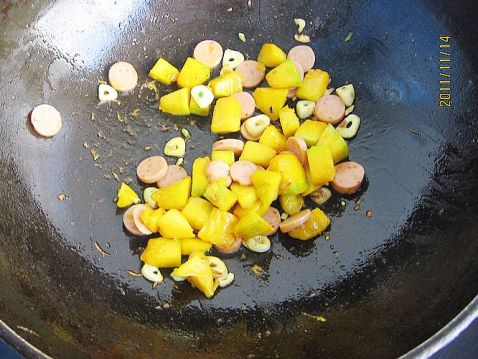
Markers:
(385, 284)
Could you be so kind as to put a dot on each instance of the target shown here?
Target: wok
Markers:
(385, 284)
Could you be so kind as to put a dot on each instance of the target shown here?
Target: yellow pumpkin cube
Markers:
(310, 131)
(291, 204)
(293, 177)
(150, 218)
(226, 117)
(173, 196)
(321, 165)
(199, 273)
(176, 102)
(272, 137)
(288, 121)
(193, 73)
(270, 101)
(335, 142)
(257, 206)
(246, 195)
(191, 245)
(227, 84)
(257, 153)
(284, 76)
(173, 224)
(314, 85)
(267, 184)
(317, 223)
(271, 55)
(251, 225)
(219, 195)
(162, 253)
(199, 180)
(197, 211)
(164, 72)
(218, 229)
(224, 156)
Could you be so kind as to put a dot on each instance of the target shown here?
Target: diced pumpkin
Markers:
(284, 76)
(173, 196)
(267, 185)
(257, 153)
(272, 137)
(227, 84)
(314, 85)
(321, 165)
(126, 196)
(251, 225)
(224, 156)
(271, 55)
(335, 142)
(291, 204)
(197, 211)
(218, 229)
(164, 72)
(173, 224)
(311, 186)
(317, 223)
(219, 195)
(193, 73)
(162, 253)
(288, 121)
(191, 245)
(176, 102)
(257, 206)
(199, 180)
(293, 178)
(198, 111)
(270, 101)
(246, 195)
(226, 117)
(199, 273)
(150, 218)
(310, 131)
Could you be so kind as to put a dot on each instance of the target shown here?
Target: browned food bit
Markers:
(241, 172)
(174, 174)
(128, 221)
(349, 177)
(248, 104)
(330, 109)
(253, 73)
(209, 52)
(369, 213)
(272, 216)
(298, 147)
(137, 211)
(152, 169)
(123, 76)
(46, 120)
(295, 221)
(229, 144)
(304, 55)
(246, 134)
(234, 247)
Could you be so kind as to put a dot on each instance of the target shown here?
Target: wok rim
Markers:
(431, 346)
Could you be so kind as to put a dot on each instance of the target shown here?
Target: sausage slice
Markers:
(304, 55)
(46, 120)
(253, 73)
(295, 221)
(248, 104)
(272, 216)
(229, 144)
(209, 52)
(330, 109)
(174, 174)
(128, 221)
(152, 169)
(298, 147)
(123, 76)
(349, 177)
(241, 172)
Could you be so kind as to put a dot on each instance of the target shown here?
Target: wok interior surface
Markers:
(384, 284)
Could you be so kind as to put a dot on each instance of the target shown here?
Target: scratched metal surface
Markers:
(384, 284)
